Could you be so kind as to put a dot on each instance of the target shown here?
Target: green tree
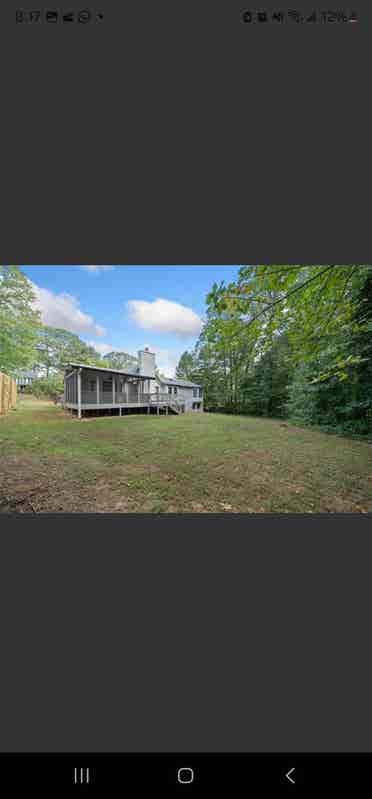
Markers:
(228, 348)
(57, 347)
(48, 387)
(291, 339)
(265, 390)
(185, 367)
(312, 304)
(19, 320)
(120, 360)
(207, 372)
(334, 387)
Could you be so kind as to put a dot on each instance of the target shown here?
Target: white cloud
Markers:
(102, 348)
(63, 310)
(164, 316)
(96, 268)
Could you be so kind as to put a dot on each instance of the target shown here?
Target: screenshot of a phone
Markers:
(185, 398)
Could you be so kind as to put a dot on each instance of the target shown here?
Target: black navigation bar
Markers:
(187, 774)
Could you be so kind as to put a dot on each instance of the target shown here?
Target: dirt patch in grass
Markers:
(30, 485)
(140, 468)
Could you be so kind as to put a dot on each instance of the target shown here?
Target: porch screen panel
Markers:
(132, 392)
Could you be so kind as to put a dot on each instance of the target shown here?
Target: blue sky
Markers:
(129, 307)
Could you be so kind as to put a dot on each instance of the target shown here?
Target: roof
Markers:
(167, 381)
(127, 372)
(181, 383)
(135, 371)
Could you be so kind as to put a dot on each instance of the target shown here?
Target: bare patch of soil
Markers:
(28, 485)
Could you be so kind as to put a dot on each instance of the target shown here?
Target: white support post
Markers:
(97, 382)
(79, 393)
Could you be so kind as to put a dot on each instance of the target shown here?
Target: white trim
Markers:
(95, 407)
(93, 368)
(79, 393)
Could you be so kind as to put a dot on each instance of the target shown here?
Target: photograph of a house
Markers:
(25, 379)
(92, 388)
(186, 389)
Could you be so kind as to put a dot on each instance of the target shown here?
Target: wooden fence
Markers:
(8, 393)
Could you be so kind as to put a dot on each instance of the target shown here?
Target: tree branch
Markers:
(289, 294)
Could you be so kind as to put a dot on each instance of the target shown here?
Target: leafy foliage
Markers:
(18, 320)
(185, 366)
(120, 360)
(266, 387)
(48, 387)
(292, 341)
(57, 347)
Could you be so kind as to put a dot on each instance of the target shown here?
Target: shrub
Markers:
(48, 387)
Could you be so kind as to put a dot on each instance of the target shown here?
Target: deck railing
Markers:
(159, 397)
(129, 398)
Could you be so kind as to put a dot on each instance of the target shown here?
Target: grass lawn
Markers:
(205, 463)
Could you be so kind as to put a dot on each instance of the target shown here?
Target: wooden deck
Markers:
(158, 402)
(106, 405)
(102, 391)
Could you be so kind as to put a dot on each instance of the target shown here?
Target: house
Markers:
(91, 390)
(191, 393)
(24, 379)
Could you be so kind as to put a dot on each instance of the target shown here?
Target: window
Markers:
(200, 392)
(107, 385)
(169, 389)
(175, 390)
(195, 392)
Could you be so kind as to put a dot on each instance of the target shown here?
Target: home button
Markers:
(185, 776)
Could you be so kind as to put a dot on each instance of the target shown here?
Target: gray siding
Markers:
(186, 395)
(115, 390)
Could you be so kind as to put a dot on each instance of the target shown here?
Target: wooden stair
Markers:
(165, 404)
(174, 408)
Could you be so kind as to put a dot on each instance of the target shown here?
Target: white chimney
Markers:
(146, 362)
